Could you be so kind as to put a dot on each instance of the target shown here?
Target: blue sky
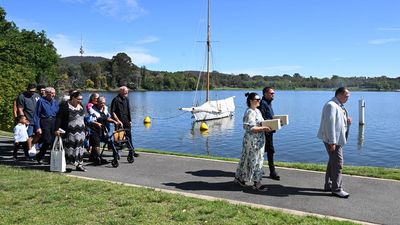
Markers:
(259, 37)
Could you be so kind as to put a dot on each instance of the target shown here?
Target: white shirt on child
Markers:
(20, 132)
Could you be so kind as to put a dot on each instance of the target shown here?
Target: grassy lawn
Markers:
(37, 197)
(366, 171)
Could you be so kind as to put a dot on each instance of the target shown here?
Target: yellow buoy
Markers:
(203, 126)
(204, 133)
(147, 120)
(147, 125)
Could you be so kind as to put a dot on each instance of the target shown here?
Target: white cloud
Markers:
(383, 41)
(147, 40)
(140, 56)
(65, 46)
(70, 47)
(126, 10)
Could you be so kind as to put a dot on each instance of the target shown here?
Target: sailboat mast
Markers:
(208, 51)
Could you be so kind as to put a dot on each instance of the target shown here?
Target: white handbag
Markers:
(57, 157)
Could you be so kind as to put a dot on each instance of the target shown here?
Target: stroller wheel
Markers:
(114, 163)
(130, 158)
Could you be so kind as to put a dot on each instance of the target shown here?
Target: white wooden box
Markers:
(284, 119)
(274, 124)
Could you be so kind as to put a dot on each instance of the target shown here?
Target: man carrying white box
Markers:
(268, 114)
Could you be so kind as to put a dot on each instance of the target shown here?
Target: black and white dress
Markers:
(75, 133)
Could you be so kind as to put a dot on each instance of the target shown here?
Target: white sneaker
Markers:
(341, 194)
(32, 152)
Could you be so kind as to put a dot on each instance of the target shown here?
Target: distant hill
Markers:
(77, 60)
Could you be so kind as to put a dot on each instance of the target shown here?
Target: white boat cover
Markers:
(213, 109)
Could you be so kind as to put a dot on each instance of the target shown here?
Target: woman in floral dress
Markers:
(70, 118)
(251, 162)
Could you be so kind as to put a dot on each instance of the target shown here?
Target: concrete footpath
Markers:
(371, 200)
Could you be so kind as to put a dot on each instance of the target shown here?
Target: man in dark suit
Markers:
(268, 113)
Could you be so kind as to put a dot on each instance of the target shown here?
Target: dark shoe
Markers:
(241, 183)
(135, 154)
(327, 189)
(103, 161)
(80, 167)
(275, 176)
(27, 158)
(259, 187)
(340, 194)
(39, 161)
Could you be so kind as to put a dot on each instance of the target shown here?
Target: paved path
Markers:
(371, 200)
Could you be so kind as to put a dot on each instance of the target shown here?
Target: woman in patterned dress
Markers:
(250, 165)
(70, 118)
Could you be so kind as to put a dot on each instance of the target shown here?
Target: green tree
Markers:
(25, 57)
(121, 66)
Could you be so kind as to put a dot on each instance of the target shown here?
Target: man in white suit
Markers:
(333, 131)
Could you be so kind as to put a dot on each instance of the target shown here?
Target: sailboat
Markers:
(211, 109)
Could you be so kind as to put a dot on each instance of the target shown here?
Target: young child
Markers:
(21, 136)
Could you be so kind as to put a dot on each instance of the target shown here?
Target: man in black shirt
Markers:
(268, 113)
(121, 112)
(26, 105)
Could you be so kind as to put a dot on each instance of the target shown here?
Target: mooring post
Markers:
(361, 113)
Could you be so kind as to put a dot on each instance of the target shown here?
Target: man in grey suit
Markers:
(333, 131)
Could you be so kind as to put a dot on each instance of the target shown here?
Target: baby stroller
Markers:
(115, 143)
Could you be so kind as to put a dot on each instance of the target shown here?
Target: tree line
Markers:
(30, 57)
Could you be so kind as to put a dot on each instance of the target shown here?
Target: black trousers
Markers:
(128, 134)
(48, 128)
(270, 150)
(24, 145)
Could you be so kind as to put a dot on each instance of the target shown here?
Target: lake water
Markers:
(377, 143)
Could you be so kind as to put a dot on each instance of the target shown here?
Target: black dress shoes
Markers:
(274, 176)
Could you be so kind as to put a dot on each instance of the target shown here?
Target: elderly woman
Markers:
(70, 119)
(250, 165)
(92, 101)
(100, 116)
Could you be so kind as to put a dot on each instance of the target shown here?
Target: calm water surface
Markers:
(377, 143)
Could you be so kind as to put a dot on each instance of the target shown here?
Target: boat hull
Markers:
(212, 110)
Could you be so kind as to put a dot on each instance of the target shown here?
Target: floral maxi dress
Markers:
(251, 161)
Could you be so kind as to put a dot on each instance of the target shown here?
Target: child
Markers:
(21, 136)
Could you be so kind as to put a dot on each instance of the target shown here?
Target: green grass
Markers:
(365, 171)
(37, 197)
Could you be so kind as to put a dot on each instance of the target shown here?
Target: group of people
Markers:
(40, 118)
(258, 139)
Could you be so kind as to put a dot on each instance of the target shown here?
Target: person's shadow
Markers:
(272, 189)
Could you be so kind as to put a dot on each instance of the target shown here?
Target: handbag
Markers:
(57, 157)
(32, 152)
